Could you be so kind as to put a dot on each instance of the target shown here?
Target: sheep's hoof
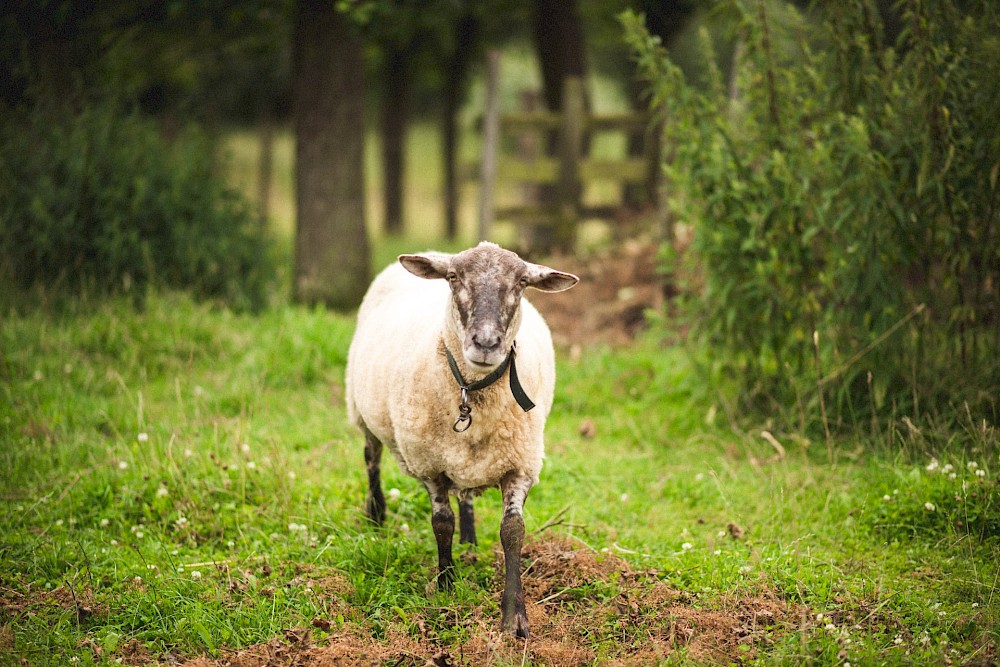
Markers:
(375, 510)
(515, 620)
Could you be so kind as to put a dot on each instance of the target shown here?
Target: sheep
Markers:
(445, 373)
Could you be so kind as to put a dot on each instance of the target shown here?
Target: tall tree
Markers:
(561, 49)
(467, 31)
(560, 45)
(332, 264)
(395, 120)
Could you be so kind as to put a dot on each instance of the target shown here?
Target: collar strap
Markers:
(464, 420)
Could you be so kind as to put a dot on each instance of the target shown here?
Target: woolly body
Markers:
(400, 388)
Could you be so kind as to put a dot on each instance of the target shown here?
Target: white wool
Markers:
(399, 386)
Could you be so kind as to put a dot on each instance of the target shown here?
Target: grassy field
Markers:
(181, 484)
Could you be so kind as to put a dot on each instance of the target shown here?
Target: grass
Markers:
(182, 482)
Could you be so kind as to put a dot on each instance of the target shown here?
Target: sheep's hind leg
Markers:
(375, 503)
(443, 523)
(466, 521)
(514, 617)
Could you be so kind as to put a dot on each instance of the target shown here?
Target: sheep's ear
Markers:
(549, 280)
(429, 265)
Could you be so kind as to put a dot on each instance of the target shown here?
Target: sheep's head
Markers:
(486, 287)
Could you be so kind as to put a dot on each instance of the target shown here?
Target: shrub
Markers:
(844, 206)
(100, 200)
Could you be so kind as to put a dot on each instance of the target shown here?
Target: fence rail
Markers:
(561, 175)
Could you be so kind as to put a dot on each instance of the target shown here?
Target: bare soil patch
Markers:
(617, 285)
(583, 606)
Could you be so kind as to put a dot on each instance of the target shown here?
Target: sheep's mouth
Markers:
(484, 361)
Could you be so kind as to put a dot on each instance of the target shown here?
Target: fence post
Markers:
(570, 144)
(491, 142)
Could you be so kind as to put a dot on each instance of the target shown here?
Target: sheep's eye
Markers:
(523, 282)
(452, 277)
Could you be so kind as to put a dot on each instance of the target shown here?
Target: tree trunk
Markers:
(332, 263)
(395, 117)
(561, 49)
(467, 37)
(560, 45)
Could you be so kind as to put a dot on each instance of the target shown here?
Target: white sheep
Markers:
(417, 343)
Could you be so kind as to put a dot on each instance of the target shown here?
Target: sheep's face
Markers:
(486, 287)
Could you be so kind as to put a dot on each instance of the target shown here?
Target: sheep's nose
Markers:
(487, 340)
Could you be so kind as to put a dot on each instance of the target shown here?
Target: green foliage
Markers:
(843, 199)
(99, 200)
(182, 481)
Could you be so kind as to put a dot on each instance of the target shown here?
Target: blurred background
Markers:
(797, 186)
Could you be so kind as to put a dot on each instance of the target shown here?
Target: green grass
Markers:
(182, 481)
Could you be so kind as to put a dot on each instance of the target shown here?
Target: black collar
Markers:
(464, 420)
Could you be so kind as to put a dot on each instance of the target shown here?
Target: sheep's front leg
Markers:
(443, 523)
(466, 521)
(515, 489)
(375, 503)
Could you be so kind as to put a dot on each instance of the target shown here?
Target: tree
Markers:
(332, 264)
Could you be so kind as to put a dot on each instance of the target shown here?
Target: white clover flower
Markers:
(972, 465)
(887, 497)
(150, 567)
(251, 465)
(137, 579)
(142, 437)
(245, 448)
(746, 569)
(624, 498)
(829, 627)
(700, 476)
(897, 640)
(139, 534)
(114, 543)
(394, 494)
(230, 544)
(819, 616)
(929, 507)
(292, 475)
(980, 473)
(105, 523)
(932, 466)
(717, 552)
(162, 492)
(181, 522)
(947, 467)
(122, 465)
(195, 574)
(925, 639)
(188, 453)
(59, 522)
(952, 476)
(405, 528)
(975, 604)
(687, 546)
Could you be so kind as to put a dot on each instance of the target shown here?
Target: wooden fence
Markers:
(562, 175)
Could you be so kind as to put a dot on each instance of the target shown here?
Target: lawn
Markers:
(180, 484)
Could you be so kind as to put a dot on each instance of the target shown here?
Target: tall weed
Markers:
(843, 198)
